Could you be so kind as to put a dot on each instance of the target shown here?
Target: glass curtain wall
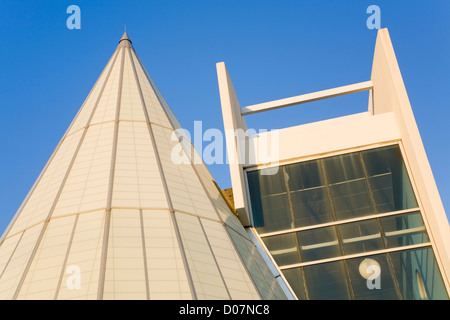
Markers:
(313, 215)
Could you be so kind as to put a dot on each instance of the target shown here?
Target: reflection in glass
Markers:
(310, 201)
(363, 236)
(327, 281)
(407, 274)
(318, 244)
(283, 248)
(408, 263)
(389, 179)
(311, 207)
(269, 201)
(404, 229)
(304, 175)
(351, 199)
(295, 279)
(379, 285)
(346, 167)
(340, 187)
(272, 183)
(348, 186)
(421, 288)
(276, 212)
(254, 190)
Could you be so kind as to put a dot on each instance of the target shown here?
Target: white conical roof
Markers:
(113, 213)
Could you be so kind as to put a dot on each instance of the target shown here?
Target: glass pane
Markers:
(311, 207)
(349, 193)
(327, 281)
(272, 183)
(283, 248)
(343, 168)
(269, 201)
(276, 213)
(361, 236)
(404, 229)
(382, 192)
(418, 275)
(351, 199)
(255, 199)
(295, 279)
(371, 278)
(389, 179)
(304, 175)
(318, 244)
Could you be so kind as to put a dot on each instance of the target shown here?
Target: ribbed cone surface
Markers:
(112, 216)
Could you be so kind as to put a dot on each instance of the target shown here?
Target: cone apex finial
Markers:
(125, 37)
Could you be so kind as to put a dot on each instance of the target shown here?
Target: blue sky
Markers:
(272, 49)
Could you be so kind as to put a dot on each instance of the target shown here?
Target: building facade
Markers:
(345, 208)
